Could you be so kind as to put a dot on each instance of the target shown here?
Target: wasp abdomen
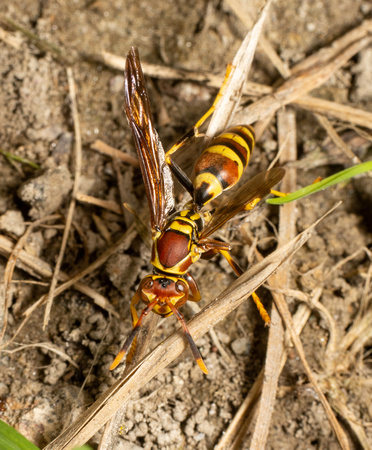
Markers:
(222, 163)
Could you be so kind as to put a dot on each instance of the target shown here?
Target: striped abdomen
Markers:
(222, 163)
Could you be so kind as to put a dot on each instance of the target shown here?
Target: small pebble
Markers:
(241, 346)
(12, 222)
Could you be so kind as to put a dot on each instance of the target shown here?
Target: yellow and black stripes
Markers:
(222, 163)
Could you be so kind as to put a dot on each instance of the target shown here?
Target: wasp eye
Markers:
(148, 284)
(180, 287)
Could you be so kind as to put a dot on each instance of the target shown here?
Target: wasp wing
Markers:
(252, 191)
(155, 172)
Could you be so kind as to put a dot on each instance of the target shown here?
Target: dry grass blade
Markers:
(124, 242)
(47, 346)
(70, 213)
(101, 411)
(37, 267)
(247, 409)
(106, 204)
(357, 331)
(242, 62)
(353, 421)
(242, 10)
(335, 110)
(328, 53)
(208, 79)
(10, 266)
(326, 124)
(301, 84)
(321, 106)
(287, 231)
(107, 150)
(342, 112)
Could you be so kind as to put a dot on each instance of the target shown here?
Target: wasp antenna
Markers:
(196, 352)
(125, 347)
(133, 334)
(261, 309)
(194, 348)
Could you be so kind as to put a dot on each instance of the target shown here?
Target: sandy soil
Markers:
(181, 408)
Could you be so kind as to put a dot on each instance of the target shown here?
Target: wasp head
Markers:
(165, 289)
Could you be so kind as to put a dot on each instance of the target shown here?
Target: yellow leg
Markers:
(261, 309)
(317, 180)
(283, 194)
(278, 193)
(235, 266)
(229, 70)
(127, 348)
(135, 300)
(249, 206)
(194, 132)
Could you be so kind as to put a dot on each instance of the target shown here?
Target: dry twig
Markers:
(47, 346)
(11, 264)
(242, 11)
(71, 209)
(123, 242)
(106, 204)
(107, 150)
(287, 231)
(227, 106)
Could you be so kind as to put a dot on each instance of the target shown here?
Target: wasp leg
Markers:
(249, 206)
(278, 193)
(135, 300)
(284, 194)
(229, 71)
(195, 293)
(194, 133)
(130, 339)
(194, 348)
(239, 271)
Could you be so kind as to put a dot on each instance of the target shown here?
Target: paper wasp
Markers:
(180, 238)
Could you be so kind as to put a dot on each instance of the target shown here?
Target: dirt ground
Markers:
(181, 408)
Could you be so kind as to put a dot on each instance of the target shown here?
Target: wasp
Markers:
(181, 238)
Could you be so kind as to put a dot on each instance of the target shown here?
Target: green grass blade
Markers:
(13, 157)
(10, 439)
(323, 184)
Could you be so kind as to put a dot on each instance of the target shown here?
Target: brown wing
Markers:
(256, 188)
(155, 172)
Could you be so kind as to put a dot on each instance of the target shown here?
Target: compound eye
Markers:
(147, 283)
(180, 287)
